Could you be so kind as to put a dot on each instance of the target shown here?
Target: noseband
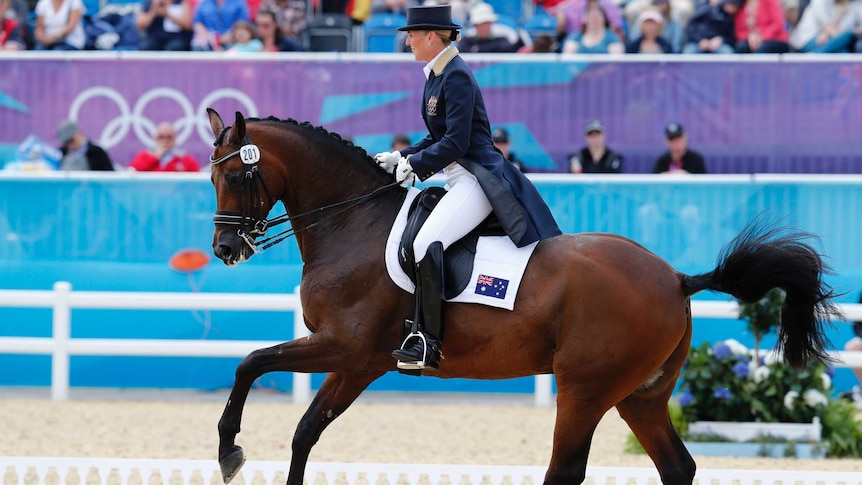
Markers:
(248, 227)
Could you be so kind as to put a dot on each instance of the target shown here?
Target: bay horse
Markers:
(611, 320)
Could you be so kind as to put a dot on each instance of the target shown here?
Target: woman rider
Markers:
(479, 179)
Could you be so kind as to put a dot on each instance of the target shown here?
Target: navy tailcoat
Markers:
(459, 131)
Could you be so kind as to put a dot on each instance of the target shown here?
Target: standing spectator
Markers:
(290, 15)
(650, 23)
(399, 142)
(486, 35)
(164, 156)
(213, 20)
(678, 158)
(165, 25)
(760, 28)
(827, 26)
(392, 6)
(595, 157)
(711, 29)
(59, 25)
(502, 142)
(672, 23)
(79, 153)
(595, 37)
(10, 32)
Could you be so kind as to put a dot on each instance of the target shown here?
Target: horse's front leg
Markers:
(336, 394)
(307, 354)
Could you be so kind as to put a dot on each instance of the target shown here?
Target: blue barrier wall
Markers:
(118, 231)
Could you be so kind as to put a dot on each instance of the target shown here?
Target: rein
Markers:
(249, 227)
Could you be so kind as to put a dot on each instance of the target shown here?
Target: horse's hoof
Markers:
(231, 464)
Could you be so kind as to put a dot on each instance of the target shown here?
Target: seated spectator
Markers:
(244, 38)
(595, 157)
(19, 12)
(270, 35)
(596, 37)
(485, 35)
(10, 32)
(59, 25)
(164, 156)
(79, 153)
(392, 6)
(827, 26)
(672, 25)
(290, 16)
(650, 25)
(760, 28)
(165, 25)
(502, 142)
(571, 16)
(711, 29)
(678, 159)
(542, 44)
(212, 22)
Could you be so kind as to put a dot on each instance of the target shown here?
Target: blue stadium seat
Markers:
(381, 32)
(510, 8)
(507, 20)
(540, 23)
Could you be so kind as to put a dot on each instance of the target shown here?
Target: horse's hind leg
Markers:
(646, 413)
(337, 392)
(573, 432)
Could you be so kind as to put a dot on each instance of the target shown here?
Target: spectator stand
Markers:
(332, 32)
(112, 25)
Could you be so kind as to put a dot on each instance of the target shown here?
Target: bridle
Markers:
(249, 228)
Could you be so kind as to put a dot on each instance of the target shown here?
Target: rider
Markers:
(479, 179)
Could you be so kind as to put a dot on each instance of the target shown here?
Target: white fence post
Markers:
(543, 395)
(301, 380)
(62, 318)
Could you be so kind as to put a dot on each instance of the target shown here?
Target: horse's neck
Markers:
(358, 232)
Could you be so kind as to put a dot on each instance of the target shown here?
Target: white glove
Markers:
(387, 160)
(404, 173)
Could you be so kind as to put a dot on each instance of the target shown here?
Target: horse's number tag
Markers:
(250, 154)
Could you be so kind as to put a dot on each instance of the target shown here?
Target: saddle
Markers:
(458, 259)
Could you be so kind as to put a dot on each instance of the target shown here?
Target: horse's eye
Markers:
(233, 179)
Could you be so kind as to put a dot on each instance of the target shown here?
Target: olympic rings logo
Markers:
(116, 130)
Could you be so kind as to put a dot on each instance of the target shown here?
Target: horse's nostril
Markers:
(223, 251)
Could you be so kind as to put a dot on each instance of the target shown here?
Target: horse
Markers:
(611, 320)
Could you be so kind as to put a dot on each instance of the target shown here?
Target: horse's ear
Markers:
(216, 123)
(238, 132)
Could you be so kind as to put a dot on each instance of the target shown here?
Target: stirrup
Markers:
(426, 350)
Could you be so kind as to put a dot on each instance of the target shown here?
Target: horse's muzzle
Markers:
(231, 248)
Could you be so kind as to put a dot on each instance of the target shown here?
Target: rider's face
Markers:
(419, 42)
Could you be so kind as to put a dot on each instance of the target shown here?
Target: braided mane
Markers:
(306, 125)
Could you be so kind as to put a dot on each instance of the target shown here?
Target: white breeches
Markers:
(463, 208)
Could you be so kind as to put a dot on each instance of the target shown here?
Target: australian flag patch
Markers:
(491, 286)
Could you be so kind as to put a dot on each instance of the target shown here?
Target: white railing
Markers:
(61, 346)
(99, 471)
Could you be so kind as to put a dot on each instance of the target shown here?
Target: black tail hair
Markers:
(765, 256)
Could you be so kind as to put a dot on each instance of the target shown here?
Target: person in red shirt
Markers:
(164, 156)
(10, 32)
(760, 28)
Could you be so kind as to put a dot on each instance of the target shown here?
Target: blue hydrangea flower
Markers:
(722, 393)
(686, 398)
(721, 350)
(741, 370)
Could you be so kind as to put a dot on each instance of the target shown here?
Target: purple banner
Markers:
(746, 117)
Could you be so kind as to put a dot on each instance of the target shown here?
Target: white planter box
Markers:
(806, 432)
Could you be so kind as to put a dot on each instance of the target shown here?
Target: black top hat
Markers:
(430, 17)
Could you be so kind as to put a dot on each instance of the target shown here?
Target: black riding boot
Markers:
(421, 349)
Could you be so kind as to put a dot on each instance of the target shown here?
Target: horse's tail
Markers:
(763, 257)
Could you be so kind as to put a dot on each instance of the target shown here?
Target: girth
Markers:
(458, 259)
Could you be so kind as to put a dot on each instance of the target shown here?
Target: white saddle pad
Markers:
(497, 271)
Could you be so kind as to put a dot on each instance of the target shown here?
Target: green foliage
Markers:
(763, 315)
(841, 430)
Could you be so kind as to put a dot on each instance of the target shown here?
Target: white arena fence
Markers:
(61, 346)
(111, 471)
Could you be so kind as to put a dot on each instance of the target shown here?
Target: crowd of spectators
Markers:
(577, 26)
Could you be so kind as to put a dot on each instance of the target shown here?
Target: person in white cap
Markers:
(486, 35)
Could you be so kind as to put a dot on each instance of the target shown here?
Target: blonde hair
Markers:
(448, 36)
